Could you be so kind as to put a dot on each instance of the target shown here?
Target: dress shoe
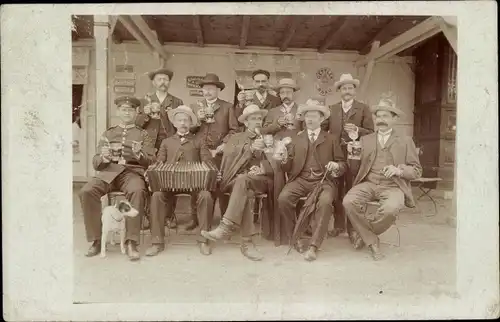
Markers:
(192, 225)
(171, 223)
(375, 251)
(222, 232)
(311, 254)
(132, 252)
(335, 232)
(145, 223)
(205, 248)
(94, 249)
(155, 249)
(249, 250)
(356, 240)
(300, 246)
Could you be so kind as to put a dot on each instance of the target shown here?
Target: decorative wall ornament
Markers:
(325, 80)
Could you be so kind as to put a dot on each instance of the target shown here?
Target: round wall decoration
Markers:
(324, 81)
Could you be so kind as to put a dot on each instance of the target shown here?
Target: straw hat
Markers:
(287, 82)
(249, 110)
(386, 104)
(312, 105)
(163, 71)
(212, 79)
(182, 109)
(346, 79)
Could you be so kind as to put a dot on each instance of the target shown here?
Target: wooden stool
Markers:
(377, 204)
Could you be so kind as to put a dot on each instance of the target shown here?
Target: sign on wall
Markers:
(324, 81)
(195, 92)
(124, 80)
(193, 81)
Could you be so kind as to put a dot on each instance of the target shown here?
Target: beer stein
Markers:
(249, 96)
(354, 150)
(209, 114)
(280, 152)
(269, 142)
(116, 149)
(290, 121)
(155, 110)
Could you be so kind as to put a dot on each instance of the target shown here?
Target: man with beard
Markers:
(389, 161)
(181, 147)
(262, 98)
(246, 172)
(348, 118)
(281, 120)
(152, 114)
(124, 152)
(217, 123)
(310, 154)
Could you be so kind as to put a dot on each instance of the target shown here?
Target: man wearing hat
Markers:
(313, 154)
(123, 153)
(181, 147)
(281, 121)
(246, 171)
(348, 117)
(262, 98)
(389, 161)
(217, 121)
(153, 111)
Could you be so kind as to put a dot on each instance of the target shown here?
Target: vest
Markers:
(382, 158)
(162, 134)
(311, 164)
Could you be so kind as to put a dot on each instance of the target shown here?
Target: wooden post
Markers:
(368, 72)
(101, 34)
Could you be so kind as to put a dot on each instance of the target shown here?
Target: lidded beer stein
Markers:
(269, 142)
(249, 96)
(115, 150)
(290, 121)
(155, 107)
(209, 114)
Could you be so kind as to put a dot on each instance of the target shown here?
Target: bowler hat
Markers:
(130, 100)
(212, 79)
(261, 71)
(163, 71)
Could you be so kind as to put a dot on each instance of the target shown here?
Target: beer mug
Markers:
(280, 151)
(269, 142)
(155, 110)
(290, 121)
(354, 150)
(249, 96)
(209, 114)
(115, 149)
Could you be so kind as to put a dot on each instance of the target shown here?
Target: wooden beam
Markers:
(130, 26)
(369, 70)
(101, 34)
(450, 32)
(368, 46)
(199, 30)
(244, 31)
(335, 28)
(150, 36)
(415, 35)
(290, 32)
(112, 24)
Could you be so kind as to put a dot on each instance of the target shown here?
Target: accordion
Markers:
(182, 176)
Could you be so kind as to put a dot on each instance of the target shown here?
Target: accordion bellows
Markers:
(182, 176)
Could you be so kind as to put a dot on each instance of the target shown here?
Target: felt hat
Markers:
(249, 110)
(261, 71)
(346, 79)
(130, 100)
(312, 105)
(212, 79)
(163, 71)
(386, 104)
(182, 109)
(287, 82)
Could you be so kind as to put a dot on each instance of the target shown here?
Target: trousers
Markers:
(391, 200)
(134, 187)
(287, 203)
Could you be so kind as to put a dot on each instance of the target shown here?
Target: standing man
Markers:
(153, 111)
(389, 161)
(311, 153)
(348, 118)
(281, 120)
(246, 171)
(217, 123)
(261, 98)
(123, 153)
(181, 147)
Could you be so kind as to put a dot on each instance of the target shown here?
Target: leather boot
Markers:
(311, 254)
(356, 240)
(94, 249)
(225, 229)
(300, 246)
(249, 250)
(375, 252)
(193, 224)
(132, 252)
(336, 232)
(155, 249)
(205, 248)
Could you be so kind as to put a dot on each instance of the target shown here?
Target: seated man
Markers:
(389, 161)
(246, 171)
(309, 154)
(120, 165)
(182, 146)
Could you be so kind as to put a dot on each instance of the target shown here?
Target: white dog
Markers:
(113, 220)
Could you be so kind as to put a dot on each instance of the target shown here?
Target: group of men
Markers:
(169, 131)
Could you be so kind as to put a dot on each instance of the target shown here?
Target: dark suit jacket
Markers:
(172, 150)
(405, 157)
(359, 115)
(225, 124)
(142, 120)
(270, 102)
(271, 125)
(327, 148)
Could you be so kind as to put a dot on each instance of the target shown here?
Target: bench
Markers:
(420, 182)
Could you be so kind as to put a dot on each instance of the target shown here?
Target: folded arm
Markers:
(412, 169)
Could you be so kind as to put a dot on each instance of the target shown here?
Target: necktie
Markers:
(312, 137)
(383, 138)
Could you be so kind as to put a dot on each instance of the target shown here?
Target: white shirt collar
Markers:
(316, 132)
(212, 101)
(346, 106)
(260, 96)
(179, 134)
(288, 108)
(161, 95)
(380, 133)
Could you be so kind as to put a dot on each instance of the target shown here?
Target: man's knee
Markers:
(284, 198)
(390, 208)
(157, 196)
(86, 190)
(349, 200)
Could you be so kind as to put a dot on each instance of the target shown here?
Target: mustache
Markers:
(381, 123)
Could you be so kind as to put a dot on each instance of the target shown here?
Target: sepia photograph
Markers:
(277, 152)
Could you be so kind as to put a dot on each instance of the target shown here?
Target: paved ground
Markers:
(424, 264)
